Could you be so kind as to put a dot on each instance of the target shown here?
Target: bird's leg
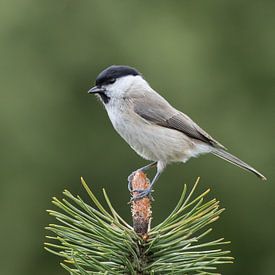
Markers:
(142, 169)
(147, 192)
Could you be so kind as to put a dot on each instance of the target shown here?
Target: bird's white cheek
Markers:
(115, 92)
(121, 86)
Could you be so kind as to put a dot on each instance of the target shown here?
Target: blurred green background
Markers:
(213, 60)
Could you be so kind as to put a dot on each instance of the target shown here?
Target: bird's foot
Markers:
(130, 179)
(142, 193)
(143, 169)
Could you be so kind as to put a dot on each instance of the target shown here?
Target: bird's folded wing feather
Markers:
(155, 109)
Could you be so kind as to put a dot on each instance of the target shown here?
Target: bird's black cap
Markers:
(114, 72)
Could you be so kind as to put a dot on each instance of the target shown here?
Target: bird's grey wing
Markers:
(155, 109)
(186, 125)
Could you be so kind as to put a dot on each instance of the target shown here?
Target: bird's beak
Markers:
(96, 90)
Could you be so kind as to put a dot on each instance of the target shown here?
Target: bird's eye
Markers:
(111, 81)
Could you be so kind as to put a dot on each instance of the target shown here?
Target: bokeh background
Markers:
(213, 60)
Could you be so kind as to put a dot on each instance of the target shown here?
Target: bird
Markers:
(152, 127)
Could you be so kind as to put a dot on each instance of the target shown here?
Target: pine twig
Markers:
(141, 208)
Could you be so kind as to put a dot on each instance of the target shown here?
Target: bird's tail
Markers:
(232, 159)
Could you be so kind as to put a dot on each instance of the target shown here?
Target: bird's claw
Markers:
(142, 194)
(130, 179)
(131, 176)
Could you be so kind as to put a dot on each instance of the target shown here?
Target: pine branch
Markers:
(94, 240)
(141, 208)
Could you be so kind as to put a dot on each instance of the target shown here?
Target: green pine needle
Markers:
(93, 240)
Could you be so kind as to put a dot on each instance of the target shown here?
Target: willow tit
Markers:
(151, 126)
